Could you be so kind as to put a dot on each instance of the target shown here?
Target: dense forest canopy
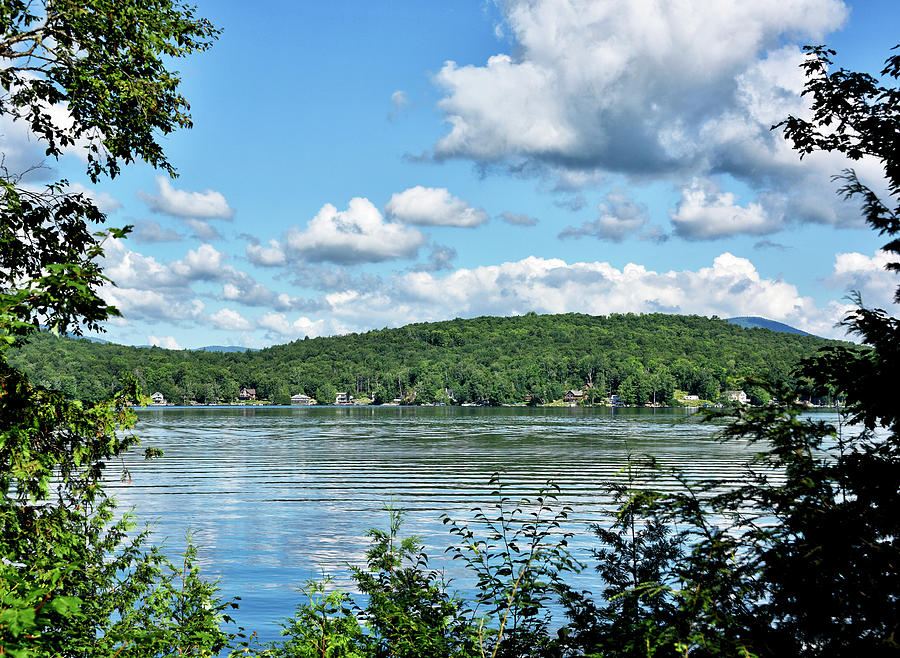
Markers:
(495, 359)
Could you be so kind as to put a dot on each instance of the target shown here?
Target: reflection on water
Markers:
(275, 496)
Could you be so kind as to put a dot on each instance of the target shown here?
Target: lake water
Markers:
(275, 496)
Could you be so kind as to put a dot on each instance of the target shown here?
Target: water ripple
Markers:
(276, 496)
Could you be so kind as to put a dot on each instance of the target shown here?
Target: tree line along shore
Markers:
(618, 360)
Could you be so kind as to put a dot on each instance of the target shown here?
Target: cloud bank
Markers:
(182, 292)
(684, 92)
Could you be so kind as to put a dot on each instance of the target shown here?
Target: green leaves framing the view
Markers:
(75, 580)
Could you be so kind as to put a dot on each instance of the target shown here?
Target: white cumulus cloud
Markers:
(202, 230)
(270, 256)
(209, 204)
(166, 342)
(230, 320)
(153, 306)
(205, 262)
(433, 206)
(130, 269)
(149, 290)
(705, 212)
(867, 275)
(149, 231)
(280, 327)
(358, 234)
(614, 83)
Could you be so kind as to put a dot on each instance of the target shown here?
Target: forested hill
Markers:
(499, 359)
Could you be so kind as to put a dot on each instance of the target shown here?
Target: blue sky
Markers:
(356, 165)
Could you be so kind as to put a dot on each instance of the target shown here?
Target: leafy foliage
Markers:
(517, 566)
(642, 358)
(856, 116)
(48, 256)
(407, 612)
(323, 626)
(101, 64)
(73, 579)
(105, 61)
(518, 555)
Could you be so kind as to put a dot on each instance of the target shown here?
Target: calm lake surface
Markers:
(275, 496)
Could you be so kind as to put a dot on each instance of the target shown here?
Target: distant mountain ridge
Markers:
(225, 349)
(92, 339)
(756, 322)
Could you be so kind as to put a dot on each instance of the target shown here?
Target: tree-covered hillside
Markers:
(489, 358)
